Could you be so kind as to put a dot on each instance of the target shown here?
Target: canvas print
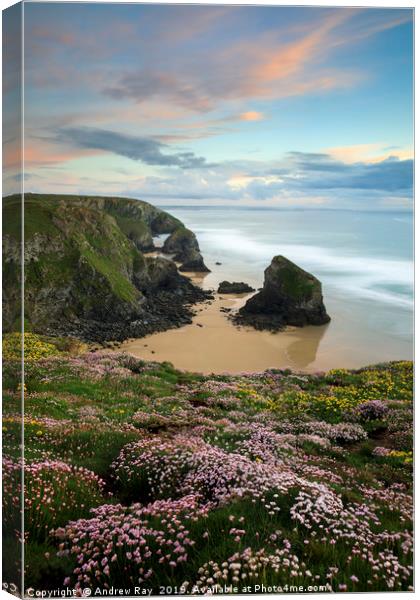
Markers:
(207, 299)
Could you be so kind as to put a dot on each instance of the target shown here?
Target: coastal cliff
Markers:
(86, 273)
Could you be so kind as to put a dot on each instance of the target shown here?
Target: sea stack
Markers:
(183, 244)
(290, 296)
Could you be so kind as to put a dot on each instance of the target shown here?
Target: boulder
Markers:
(161, 273)
(194, 263)
(235, 287)
(290, 296)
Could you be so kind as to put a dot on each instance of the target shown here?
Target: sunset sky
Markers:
(218, 105)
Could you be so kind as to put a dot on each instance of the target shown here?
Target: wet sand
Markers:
(213, 344)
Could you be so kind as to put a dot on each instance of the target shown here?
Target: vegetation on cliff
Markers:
(139, 474)
(85, 269)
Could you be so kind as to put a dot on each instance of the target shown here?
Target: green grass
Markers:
(78, 414)
(120, 285)
(38, 218)
(134, 230)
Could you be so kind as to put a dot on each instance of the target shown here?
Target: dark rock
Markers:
(183, 244)
(226, 287)
(161, 273)
(194, 263)
(218, 263)
(290, 296)
(162, 222)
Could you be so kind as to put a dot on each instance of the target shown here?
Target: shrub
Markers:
(35, 348)
(372, 410)
(54, 492)
(121, 545)
(340, 432)
(153, 467)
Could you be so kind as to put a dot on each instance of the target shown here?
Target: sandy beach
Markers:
(213, 344)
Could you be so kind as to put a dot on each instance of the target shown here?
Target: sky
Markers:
(203, 105)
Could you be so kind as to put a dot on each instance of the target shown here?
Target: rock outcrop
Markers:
(290, 296)
(183, 244)
(194, 263)
(85, 271)
(234, 287)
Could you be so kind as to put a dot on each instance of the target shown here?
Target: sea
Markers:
(363, 259)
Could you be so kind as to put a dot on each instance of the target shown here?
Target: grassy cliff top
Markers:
(83, 257)
(134, 217)
(275, 478)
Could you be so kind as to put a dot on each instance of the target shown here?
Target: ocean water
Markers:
(363, 259)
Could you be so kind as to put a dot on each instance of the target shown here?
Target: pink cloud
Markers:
(251, 115)
(44, 153)
(47, 35)
(265, 67)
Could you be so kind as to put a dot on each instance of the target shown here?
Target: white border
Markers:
(340, 3)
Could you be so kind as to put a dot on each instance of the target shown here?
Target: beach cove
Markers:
(367, 284)
(213, 344)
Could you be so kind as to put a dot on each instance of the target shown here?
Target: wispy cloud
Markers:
(297, 179)
(323, 172)
(265, 67)
(374, 152)
(146, 150)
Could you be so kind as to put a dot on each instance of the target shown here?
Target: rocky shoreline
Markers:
(163, 310)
